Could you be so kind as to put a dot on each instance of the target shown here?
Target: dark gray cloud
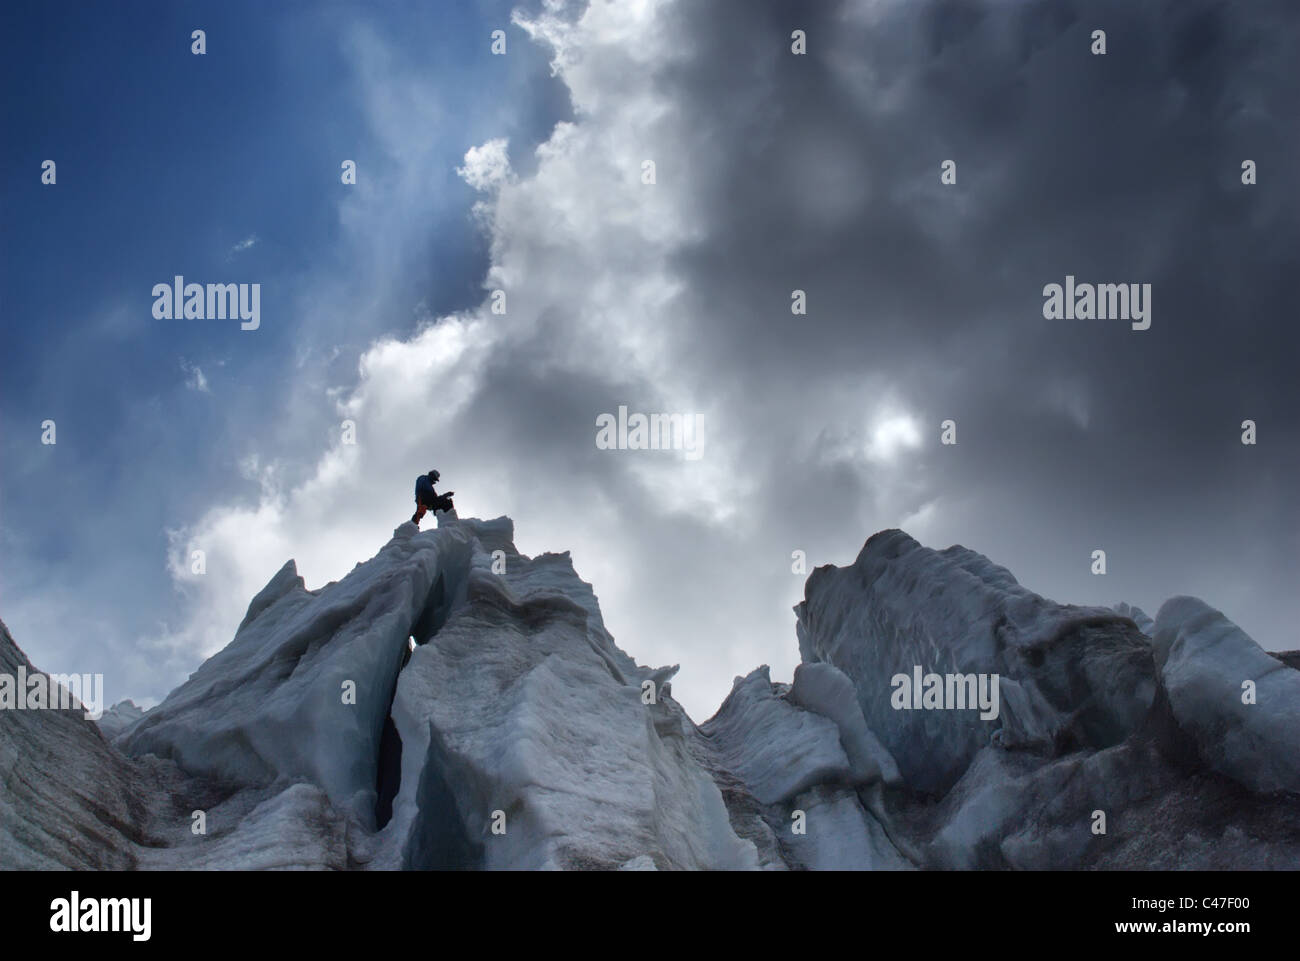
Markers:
(823, 173)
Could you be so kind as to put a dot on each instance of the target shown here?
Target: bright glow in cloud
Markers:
(890, 435)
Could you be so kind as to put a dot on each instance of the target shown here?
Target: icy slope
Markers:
(1069, 676)
(1239, 704)
(319, 740)
(303, 689)
(119, 718)
(519, 735)
(523, 712)
(66, 799)
(1109, 751)
(803, 753)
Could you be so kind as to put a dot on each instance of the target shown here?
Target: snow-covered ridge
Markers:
(517, 734)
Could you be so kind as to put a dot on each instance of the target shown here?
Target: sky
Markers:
(527, 172)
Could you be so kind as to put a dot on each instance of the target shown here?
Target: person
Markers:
(427, 499)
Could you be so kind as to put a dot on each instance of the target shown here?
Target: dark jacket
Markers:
(424, 492)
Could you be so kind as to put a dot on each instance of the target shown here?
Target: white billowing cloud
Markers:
(487, 166)
(244, 244)
(686, 556)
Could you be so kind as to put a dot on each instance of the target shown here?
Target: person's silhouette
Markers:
(427, 499)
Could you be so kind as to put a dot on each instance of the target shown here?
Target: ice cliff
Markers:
(452, 703)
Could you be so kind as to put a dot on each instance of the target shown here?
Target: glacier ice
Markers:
(1070, 676)
(516, 734)
(526, 743)
(1240, 705)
